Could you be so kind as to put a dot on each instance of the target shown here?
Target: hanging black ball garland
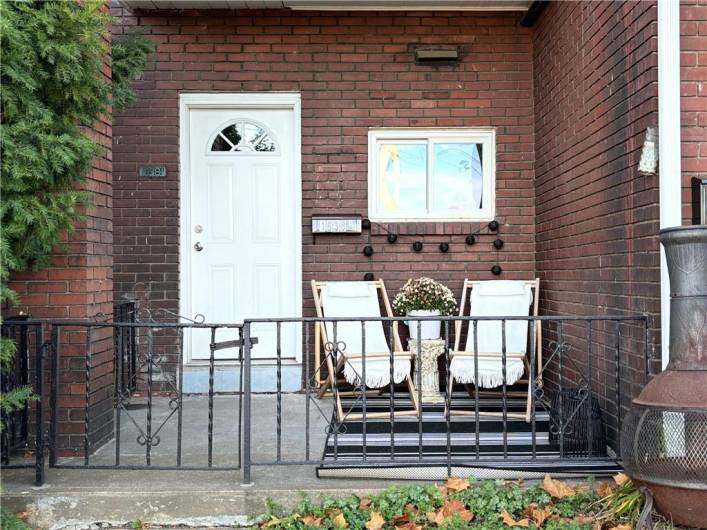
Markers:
(368, 277)
(444, 247)
(496, 270)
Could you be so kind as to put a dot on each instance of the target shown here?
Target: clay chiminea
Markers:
(664, 436)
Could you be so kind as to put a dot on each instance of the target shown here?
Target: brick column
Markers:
(78, 285)
(693, 101)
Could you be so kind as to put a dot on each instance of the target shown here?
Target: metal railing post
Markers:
(39, 449)
(54, 398)
(245, 368)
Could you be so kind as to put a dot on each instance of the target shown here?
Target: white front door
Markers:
(241, 232)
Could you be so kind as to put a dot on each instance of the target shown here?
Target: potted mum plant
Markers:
(424, 297)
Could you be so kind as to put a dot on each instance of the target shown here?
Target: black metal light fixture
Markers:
(368, 250)
(417, 246)
(444, 247)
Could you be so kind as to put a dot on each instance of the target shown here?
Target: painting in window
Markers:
(402, 177)
(243, 137)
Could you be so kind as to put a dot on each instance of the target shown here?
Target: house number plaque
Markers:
(336, 224)
(153, 171)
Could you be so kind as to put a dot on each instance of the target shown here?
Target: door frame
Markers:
(234, 100)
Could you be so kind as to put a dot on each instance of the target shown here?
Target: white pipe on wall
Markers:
(668, 143)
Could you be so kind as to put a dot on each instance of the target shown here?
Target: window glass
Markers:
(431, 174)
(243, 137)
(457, 178)
(402, 175)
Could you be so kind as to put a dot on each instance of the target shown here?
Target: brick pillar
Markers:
(693, 101)
(79, 285)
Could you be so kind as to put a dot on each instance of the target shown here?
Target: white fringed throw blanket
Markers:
(495, 298)
(360, 300)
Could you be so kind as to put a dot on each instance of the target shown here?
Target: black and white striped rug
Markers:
(421, 448)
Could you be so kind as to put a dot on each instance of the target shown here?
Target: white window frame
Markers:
(485, 137)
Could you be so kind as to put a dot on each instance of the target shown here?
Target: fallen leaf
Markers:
(375, 522)
(442, 489)
(408, 526)
(340, 521)
(557, 488)
(401, 519)
(622, 527)
(437, 517)
(509, 521)
(312, 520)
(457, 484)
(604, 489)
(583, 486)
(449, 508)
(620, 478)
(411, 508)
(539, 515)
(332, 512)
(457, 506)
(364, 503)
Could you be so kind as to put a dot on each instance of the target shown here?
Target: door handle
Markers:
(198, 246)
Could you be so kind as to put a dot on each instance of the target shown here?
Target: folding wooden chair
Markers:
(359, 300)
(502, 298)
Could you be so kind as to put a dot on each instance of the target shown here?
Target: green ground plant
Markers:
(461, 504)
(11, 521)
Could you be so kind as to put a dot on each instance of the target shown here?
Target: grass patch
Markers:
(11, 521)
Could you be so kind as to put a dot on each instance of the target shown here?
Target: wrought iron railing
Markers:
(575, 383)
(565, 413)
(130, 424)
(126, 345)
(21, 431)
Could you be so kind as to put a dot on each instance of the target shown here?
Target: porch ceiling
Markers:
(341, 5)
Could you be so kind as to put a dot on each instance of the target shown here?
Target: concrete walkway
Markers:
(77, 498)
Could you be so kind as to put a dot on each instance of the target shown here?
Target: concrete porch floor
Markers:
(76, 498)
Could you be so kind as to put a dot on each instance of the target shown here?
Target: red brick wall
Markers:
(354, 71)
(595, 67)
(79, 286)
(693, 104)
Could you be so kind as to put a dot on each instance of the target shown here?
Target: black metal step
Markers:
(510, 440)
(437, 424)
